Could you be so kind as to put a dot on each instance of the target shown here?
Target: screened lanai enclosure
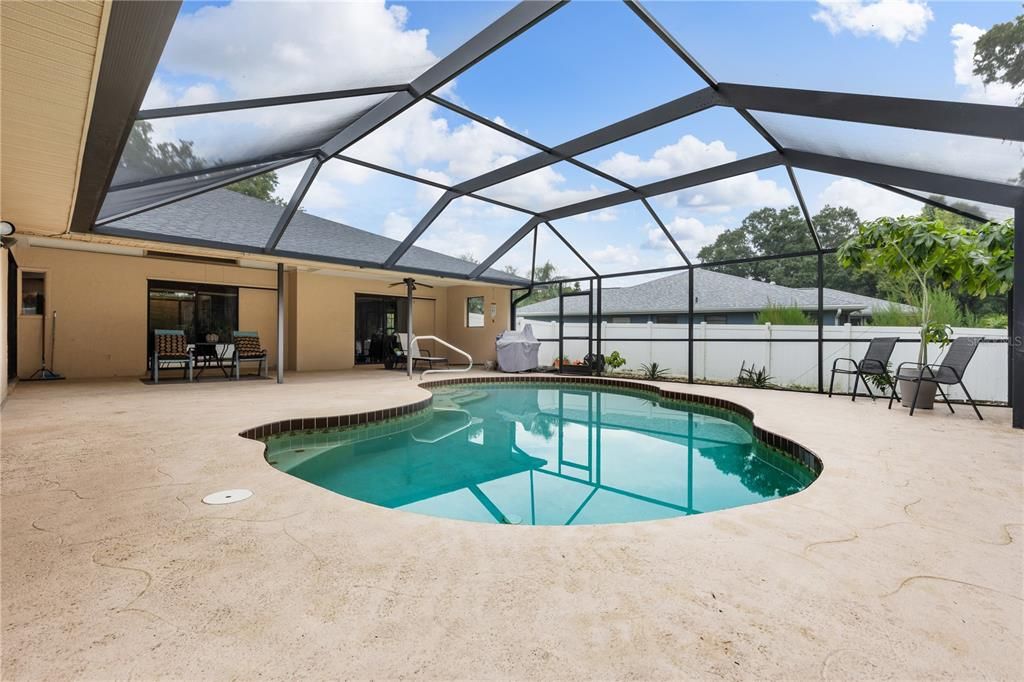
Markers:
(591, 182)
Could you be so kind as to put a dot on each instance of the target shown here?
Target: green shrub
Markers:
(614, 361)
(990, 321)
(945, 309)
(892, 315)
(782, 314)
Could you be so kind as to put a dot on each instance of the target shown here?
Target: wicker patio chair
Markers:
(248, 349)
(170, 345)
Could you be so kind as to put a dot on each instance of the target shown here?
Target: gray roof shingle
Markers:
(226, 219)
(715, 292)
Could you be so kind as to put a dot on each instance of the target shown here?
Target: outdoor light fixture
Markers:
(6, 230)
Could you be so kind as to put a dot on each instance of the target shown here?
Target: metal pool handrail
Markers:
(409, 360)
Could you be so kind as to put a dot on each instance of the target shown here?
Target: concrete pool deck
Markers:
(903, 560)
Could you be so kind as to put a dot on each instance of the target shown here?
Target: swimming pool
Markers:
(546, 453)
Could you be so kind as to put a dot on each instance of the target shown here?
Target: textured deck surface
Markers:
(903, 560)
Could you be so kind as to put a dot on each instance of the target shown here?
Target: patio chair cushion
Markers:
(249, 347)
(171, 345)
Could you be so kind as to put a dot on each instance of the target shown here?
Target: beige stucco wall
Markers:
(3, 325)
(323, 324)
(101, 304)
(101, 301)
(477, 341)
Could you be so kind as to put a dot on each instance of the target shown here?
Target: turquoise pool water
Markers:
(546, 454)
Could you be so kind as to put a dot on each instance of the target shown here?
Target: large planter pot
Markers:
(925, 400)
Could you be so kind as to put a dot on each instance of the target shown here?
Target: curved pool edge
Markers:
(786, 446)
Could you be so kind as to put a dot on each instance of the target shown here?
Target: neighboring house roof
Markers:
(715, 292)
(223, 218)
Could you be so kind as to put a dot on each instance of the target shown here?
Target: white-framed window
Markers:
(475, 311)
(33, 293)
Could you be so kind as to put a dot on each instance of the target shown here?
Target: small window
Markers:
(666, 319)
(716, 319)
(33, 293)
(475, 311)
(620, 320)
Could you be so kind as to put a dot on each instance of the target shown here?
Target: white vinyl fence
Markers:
(790, 364)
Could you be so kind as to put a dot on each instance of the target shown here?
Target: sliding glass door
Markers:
(201, 310)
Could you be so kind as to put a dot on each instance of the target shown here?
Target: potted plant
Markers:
(923, 253)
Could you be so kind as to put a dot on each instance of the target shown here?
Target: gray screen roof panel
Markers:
(224, 216)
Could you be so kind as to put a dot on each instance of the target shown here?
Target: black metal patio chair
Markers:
(950, 371)
(875, 363)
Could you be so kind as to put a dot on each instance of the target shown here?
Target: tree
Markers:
(468, 257)
(999, 54)
(261, 187)
(155, 159)
(999, 58)
(770, 232)
(150, 159)
(930, 254)
(971, 306)
(545, 273)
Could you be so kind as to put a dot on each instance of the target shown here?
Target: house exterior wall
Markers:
(102, 301)
(323, 324)
(477, 341)
(3, 325)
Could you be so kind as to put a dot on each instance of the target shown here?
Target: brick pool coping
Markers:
(786, 446)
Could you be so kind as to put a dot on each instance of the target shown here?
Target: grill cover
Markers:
(517, 350)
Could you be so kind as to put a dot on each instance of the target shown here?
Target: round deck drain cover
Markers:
(227, 496)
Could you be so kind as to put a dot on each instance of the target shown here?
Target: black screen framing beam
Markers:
(701, 177)
(293, 204)
(959, 118)
(135, 36)
(505, 28)
(1017, 322)
(925, 181)
(652, 118)
(261, 102)
(932, 202)
(690, 296)
(573, 249)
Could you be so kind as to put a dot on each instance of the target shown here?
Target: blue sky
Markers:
(587, 65)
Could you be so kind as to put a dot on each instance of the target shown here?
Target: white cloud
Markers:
(397, 226)
(419, 137)
(685, 156)
(892, 20)
(256, 49)
(545, 188)
(690, 233)
(723, 196)
(964, 38)
(614, 258)
(869, 202)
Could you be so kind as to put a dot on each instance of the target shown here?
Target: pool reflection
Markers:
(547, 455)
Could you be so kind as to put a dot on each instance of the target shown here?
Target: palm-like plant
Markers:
(654, 371)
